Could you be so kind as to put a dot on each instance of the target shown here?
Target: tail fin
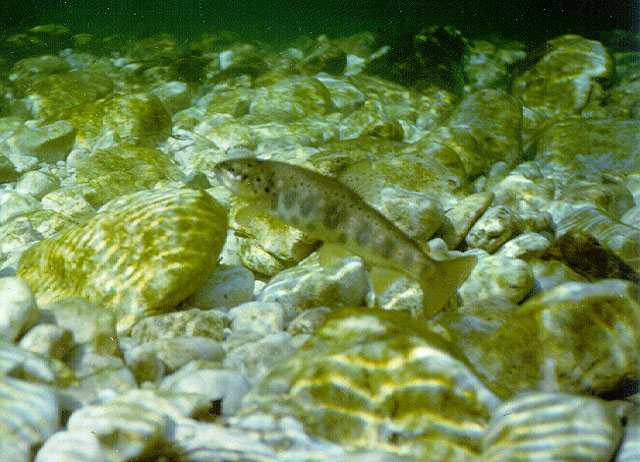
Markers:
(439, 285)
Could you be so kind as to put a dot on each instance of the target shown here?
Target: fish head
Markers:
(246, 177)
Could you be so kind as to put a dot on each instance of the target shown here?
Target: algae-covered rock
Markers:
(47, 143)
(375, 379)
(311, 284)
(290, 100)
(142, 252)
(123, 170)
(576, 428)
(591, 146)
(484, 128)
(138, 119)
(566, 76)
(622, 239)
(53, 94)
(428, 169)
(575, 337)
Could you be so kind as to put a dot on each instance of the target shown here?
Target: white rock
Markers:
(90, 324)
(18, 311)
(36, 184)
(49, 340)
(75, 446)
(507, 278)
(16, 362)
(68, 202)
(95, 372)
(311, 284)
(29, 414)
(227, 386)
(13, 204)
(174, 96)
(226, 287)
(264, 318)
(144, 363)
(552, 426)
(255, 359)
(126, 429)
(176, 352)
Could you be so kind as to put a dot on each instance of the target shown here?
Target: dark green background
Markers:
(282, 20)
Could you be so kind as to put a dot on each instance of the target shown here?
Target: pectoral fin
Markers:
(382, 277)
(440, 284)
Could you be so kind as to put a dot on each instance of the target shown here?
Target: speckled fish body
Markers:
(330, 211)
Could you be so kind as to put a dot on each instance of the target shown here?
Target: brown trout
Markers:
(330, 211)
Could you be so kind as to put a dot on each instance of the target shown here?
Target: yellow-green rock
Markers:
(141, 253)
(138, 119)
(377, 379)
(55, 93)
(575, 338)
(123, 170)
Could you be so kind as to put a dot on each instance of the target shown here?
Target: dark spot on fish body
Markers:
(333, 215)
(342, 238)
(363, 234)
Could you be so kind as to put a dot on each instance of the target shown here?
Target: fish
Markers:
(328, 210)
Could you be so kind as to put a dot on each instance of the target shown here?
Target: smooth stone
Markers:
(91, 325)
(495, 227)
(48, 143)
(262, 317)
(142, 253)
(553, 426)
(188, 323)
(229, 387)
(32, 367)
(311, 284)
(624, 240)
(143, 362)
(127, 429)
(367, 374)
(95, 372)
(74, 446)
(309, 321)
(629, 450)
(569, 73)
(18, 311)
(13, 204)
(49, 340)
(256, 358)
(227, 286)
(461, 217)
(29, 414)
(574, 338)
(36, 184)
(176, 352)
(174, 96)
(497, 276)
(68, 202)
(525, 246)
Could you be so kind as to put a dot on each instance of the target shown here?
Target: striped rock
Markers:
(144, 252)
(372, 379)
(29, 414)
(553, 427)
(629, 450)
